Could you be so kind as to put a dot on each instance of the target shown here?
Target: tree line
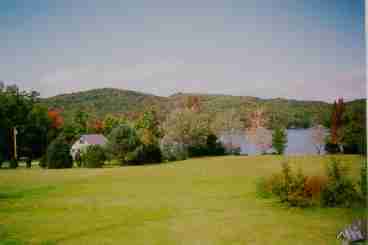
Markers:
(186, 131)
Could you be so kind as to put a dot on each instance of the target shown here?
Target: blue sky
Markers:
(305, 49)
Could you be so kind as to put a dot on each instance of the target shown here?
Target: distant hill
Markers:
(100, 102)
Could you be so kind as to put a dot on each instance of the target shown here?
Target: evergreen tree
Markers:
(279, 140)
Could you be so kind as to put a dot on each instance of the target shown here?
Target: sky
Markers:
(305, 49)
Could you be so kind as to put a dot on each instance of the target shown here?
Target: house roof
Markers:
(94, 139)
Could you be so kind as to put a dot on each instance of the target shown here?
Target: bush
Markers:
(297, 196)
(29, 162)
(78, 158)
(1, 159)
(123, 140)
(262, 188)
(314, 186)
(94, 157)
(232, 149)
(290, 188)
(197, 151)
(363, 180)
(58, 154)
(43, 161)
(275, 184)
(339, 191)
(212, 147)
(13, 163)
(144, 154)
(173, 151)
(332, 148)
(301, 191)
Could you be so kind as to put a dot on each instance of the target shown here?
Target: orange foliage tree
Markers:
(57, 121)
(95, 126)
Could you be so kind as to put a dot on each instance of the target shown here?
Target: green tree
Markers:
(122, 140)
(353, 132)
(58, 154)
(15, 108)
(81, 121)
(279, 140)
(94, 157)
(71, 132)
(279, 118)
(148, 128)
(33, 135)
(110, 122)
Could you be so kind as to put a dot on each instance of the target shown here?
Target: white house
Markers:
(87, 140)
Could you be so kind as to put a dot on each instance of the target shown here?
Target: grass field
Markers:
(198, 201)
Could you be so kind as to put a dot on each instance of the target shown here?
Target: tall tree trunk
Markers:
(12, 143)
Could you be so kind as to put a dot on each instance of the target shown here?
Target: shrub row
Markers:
(130, 147)
(333, 190)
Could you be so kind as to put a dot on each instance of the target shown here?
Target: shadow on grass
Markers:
(24, 193)
(6, 239)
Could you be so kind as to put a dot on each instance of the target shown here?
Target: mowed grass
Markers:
(198, 201)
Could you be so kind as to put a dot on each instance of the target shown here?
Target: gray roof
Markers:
(94, 139)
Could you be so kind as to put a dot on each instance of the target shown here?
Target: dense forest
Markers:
(102, 102)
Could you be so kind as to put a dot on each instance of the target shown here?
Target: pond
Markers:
(299, 142)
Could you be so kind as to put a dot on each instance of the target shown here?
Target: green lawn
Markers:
(198, 201)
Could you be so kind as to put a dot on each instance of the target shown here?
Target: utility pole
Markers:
(15, 132)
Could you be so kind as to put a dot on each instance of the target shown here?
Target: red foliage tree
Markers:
(336, 120)
(96, 126)
(57, 121)
(257, 133)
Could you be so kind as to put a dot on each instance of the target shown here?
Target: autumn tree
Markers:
(186, 127)
(256, 131)
(257, 119)
(334, 139)
(336, 121)
(193, 103)
(57, 121)
(95, 126)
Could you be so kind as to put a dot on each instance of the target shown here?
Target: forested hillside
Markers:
(101, 102)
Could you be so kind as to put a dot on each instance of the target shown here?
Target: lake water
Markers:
(299, 142)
